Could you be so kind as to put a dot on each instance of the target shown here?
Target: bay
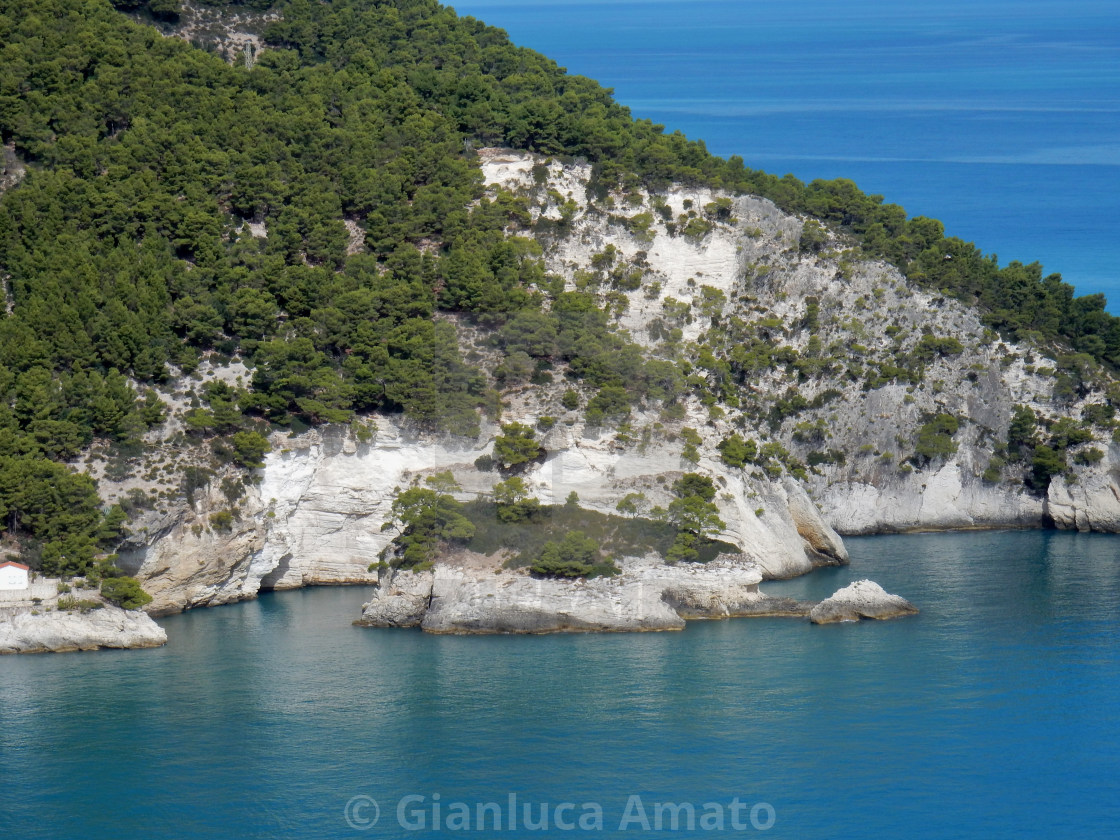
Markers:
(994, 712)
(1000, 118)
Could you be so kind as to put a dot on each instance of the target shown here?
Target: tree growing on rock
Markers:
(935, 439)
(695, 515)
(576, 555)
(735, 451)
(516, 445)
(125, 592)
(426, 519)
(513, 500)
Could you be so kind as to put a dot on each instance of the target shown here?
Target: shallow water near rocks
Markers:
(992, 713)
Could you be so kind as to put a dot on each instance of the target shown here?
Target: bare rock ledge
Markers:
(473, 594)
(862, 599)
(23, 631)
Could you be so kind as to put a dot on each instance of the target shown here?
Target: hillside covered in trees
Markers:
(132, 248)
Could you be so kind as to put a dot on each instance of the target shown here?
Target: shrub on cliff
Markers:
(1046, 463)
(695, 515)
(735, 451)
(935, 439)
(514, 502)
(125, 592)
(576, 555)
(426, 519)
(516, 445)
(249, 449)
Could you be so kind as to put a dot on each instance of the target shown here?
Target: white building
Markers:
(13, 576)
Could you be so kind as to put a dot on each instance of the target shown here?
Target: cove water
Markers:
(993, 713)
(1001, 118)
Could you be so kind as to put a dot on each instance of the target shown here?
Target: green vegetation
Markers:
(615, 536)
(68, 603)
(1046, 462)
(128, 256)
(1045, 451)
(516, 445)
(930, 347)
(694, 514)
(935, 439)
(576, 555)
(692, 441)
(994, 471)
(125, 592)
(514, 504)
(426, 519)
(631, 503)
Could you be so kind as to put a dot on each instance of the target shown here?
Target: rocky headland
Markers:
(34, 630)
(473, 594)
(844, 457)
(40, 619)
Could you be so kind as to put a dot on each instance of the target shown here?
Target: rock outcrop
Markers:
(315, 517)
(885, 355)
(29, 631)
(1090, 504)
(862, 599)
(948, 499)
(473, 594)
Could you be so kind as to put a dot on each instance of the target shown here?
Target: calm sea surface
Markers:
(999, 117)
(993, 713)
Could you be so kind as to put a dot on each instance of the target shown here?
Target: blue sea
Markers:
(999, 117)
(993, 713)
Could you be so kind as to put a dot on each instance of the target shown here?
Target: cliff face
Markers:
(850, 326)
(316, 516)
(840, 420)
(1092, 502)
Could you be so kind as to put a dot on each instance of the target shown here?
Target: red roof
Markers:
(14, 565)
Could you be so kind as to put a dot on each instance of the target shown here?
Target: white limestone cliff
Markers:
(315, 516)
(867, 314)
(317, 513)
(1092, 502)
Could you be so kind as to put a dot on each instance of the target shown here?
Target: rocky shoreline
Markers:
(472, 594)
(23, 630)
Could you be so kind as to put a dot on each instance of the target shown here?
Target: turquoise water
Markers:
(999, 117)
(993, 713)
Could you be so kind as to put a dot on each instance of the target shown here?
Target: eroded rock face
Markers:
(316, 516)
(53, 631)
(1090, 504)
(865, 317)
(400, 600)
(948, 499)
(862, 599)
(473, 594)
